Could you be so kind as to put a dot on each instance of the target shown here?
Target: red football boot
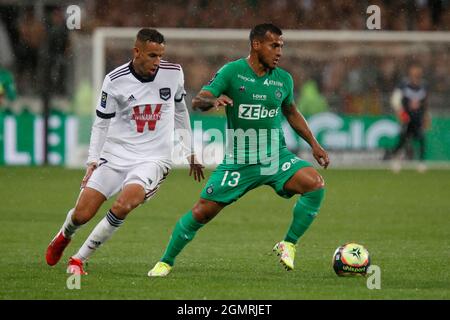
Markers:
(56, 248)
(75, 266)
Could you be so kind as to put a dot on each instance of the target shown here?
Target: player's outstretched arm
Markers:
(183, 123)
(205, 100)
(299, 124)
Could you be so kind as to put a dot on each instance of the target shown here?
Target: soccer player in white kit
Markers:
(141, 105)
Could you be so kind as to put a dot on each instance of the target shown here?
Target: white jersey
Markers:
(136, 117)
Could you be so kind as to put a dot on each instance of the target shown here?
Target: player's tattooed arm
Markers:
(205, 100)
(299, 124)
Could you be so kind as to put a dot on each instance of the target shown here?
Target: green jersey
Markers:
(254, 131)
(7, 87)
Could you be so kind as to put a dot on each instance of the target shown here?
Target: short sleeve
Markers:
(290, 91)
(220, 82)
(107, 104)
(181, 92)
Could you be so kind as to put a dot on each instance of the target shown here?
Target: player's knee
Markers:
(200, 213)
(315, 182)
(122, 207)
(319, 183)
(203, 211)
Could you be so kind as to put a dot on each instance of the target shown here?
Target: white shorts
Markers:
(109, 179)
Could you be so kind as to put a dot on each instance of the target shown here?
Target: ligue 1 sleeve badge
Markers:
(104, 99)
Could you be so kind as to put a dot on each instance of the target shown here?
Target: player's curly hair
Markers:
(259, 31)
(152, 35)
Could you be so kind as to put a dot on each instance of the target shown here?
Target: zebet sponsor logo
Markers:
(256, 112)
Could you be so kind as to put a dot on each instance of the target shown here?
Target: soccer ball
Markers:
(351, 259)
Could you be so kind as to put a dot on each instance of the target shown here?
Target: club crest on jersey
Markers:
(278, 94)
(164, 93)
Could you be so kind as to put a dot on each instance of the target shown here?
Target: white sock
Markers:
(101, 233)
(69, 228)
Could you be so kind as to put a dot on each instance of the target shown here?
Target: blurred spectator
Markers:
(7, 87)
(287, 14)
(31, 37)
(360, 94)
(441, 73)
(353, 78)
(311, 101)
(58, 45)
(6, 52)
(410, 102)
(424, 20)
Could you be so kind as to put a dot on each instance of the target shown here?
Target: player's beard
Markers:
(265, 64)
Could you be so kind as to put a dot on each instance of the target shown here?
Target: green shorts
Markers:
(229, 182)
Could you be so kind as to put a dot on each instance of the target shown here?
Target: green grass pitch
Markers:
(403, 219)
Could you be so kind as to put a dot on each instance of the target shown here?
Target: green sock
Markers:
(305, 210)
(184, 231)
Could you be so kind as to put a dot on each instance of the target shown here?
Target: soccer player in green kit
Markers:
(254, 92)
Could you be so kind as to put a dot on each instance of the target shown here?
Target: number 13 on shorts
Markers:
(232, 178)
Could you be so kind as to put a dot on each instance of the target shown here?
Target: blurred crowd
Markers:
(31, 46)
(354, 83)
(35, 44)
(422, 15)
